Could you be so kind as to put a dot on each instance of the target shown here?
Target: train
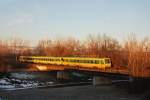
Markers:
(67, 61)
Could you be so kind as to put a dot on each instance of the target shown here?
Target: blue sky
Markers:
(43, 19)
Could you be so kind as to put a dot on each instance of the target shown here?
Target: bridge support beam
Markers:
(99, 80)
(63, 75)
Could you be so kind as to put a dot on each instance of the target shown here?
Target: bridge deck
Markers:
(113, 70)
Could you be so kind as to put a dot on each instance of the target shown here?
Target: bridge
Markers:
(98, 67)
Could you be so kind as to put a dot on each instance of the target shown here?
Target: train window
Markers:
(58, 60)
(28, 58)
(85, 61)
(102, 61)
(97, 61)
(88, 61)
(107, 61)
(73, 60)
(80, 61)
(62, 59)
(94, 61)
(67, 60)
(77, 60)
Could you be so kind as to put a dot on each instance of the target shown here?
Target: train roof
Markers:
(64, 57)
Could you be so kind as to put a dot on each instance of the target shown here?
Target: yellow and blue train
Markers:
(68, 61)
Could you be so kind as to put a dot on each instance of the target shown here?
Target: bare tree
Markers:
(138, 60)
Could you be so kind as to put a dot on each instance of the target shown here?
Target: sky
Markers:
(52, 19)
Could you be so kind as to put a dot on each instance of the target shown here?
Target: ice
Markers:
(22, 75)
(49, 83)
(7, 86)
(15, 84)
(29, 84)
(4, 82)
(21, 80)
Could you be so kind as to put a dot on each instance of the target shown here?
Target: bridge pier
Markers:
(99, 80)
(63, 75)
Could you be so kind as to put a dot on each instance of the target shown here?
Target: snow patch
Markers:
(15, 84)
(22, 75)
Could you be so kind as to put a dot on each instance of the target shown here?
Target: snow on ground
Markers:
(14, 84)
(22, 75)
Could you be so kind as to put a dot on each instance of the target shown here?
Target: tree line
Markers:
(132, 53)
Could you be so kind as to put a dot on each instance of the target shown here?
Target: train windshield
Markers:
(107, 61)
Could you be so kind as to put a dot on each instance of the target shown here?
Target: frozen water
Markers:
(22, 75)
(13, 84)
(22, 80)
(7, 86)
(4, 82)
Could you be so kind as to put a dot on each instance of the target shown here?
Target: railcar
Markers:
(69, 61)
